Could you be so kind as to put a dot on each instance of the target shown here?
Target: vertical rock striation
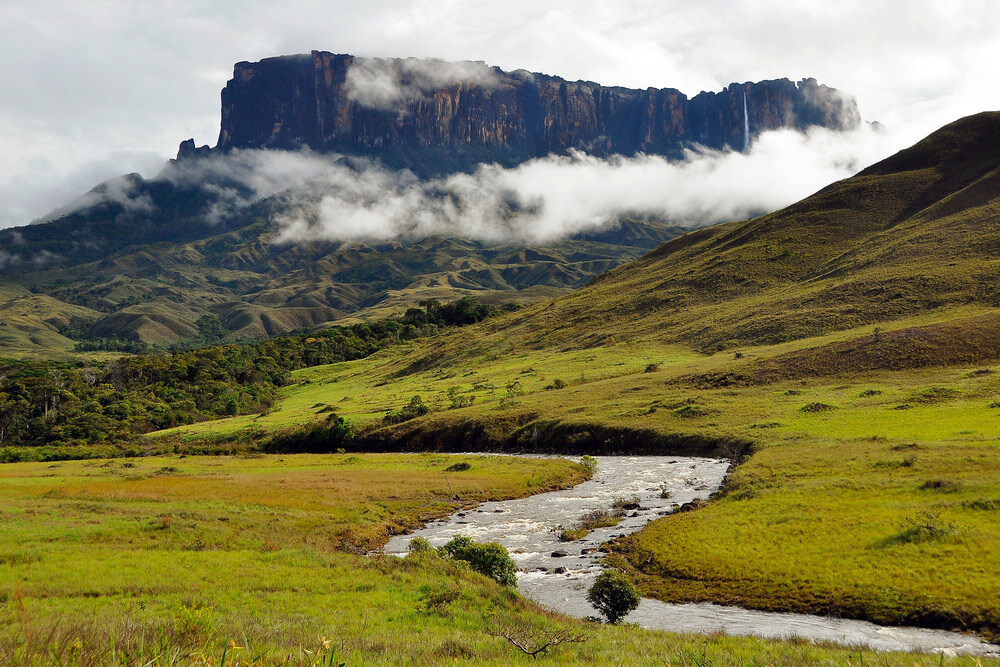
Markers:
(439, 116)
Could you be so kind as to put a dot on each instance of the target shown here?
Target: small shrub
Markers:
(573, 534)
(415, 408)
(437, 600)
(816, 407)
(589, 462)
(870, 392)
(943, 485)
(613, 595)
(924, 526)
(420, 545)
(532, 641)
(689, 411)
(489, 559)
(982, 504)
(458, 467)
(456, 546)
(326, 437)
(626, 502)
(457, 400)
(592, 521)
(651, 368)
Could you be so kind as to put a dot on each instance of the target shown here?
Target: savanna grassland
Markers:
(230, 560)
(844, 351)
(866, 496)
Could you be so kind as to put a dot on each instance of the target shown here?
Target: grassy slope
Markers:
(262, 568)
(156, 292)
(816, 519)
(811, 521)
(31, 322)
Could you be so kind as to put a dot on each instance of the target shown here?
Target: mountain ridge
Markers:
(144, 259)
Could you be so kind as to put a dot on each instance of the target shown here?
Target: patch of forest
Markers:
(77, 403)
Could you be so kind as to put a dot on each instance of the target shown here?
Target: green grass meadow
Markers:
(256, 561)
(866, 495)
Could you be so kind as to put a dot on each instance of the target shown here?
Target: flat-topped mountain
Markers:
(436, 115)
(145, 260)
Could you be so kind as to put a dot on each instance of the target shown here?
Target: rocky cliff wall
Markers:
(413, 109)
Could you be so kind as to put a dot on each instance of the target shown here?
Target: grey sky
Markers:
(95, 88)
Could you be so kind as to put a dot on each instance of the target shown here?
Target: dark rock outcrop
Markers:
(188, 150)
(452, 115)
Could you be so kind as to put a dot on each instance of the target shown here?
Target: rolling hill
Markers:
(913, 233)
(843, 350)
(145, 260)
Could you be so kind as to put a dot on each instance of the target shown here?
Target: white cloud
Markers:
(240, 177)
(541, 201)
(84, 82)
(550, 198)
(383, 83)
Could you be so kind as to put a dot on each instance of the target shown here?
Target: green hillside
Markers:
(845, 349)
(142, 260)
(915, 232)
(844, 352)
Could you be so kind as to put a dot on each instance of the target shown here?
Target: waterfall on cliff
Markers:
(746, 124)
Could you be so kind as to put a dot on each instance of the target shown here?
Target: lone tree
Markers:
(613, 595)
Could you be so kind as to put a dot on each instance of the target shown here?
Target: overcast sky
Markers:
(96, 88)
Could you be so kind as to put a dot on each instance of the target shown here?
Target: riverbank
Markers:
(174, 560)
(557, 574)
(866, 496)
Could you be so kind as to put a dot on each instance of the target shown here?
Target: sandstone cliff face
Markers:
(450, 113)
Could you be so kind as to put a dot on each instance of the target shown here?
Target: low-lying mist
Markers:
(554, 197)
(541, 201)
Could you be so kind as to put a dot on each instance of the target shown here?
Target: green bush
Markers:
(490, 559)
(419, 545)
(415, 408)
(613, 595)
(329, 437)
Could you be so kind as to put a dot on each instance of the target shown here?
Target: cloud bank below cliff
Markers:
(93, 88)
(551, 198)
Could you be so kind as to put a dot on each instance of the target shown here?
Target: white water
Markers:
(528, 528)
(746, 125)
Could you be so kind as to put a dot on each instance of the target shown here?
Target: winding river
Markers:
(557, 574)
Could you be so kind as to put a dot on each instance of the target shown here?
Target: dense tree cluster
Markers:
(83, 403)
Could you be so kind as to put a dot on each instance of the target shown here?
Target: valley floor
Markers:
(211, 560)
(870, 495)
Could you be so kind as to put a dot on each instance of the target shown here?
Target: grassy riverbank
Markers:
(868, 494)
(180, 560)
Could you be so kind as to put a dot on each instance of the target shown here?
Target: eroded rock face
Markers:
(453, 115)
